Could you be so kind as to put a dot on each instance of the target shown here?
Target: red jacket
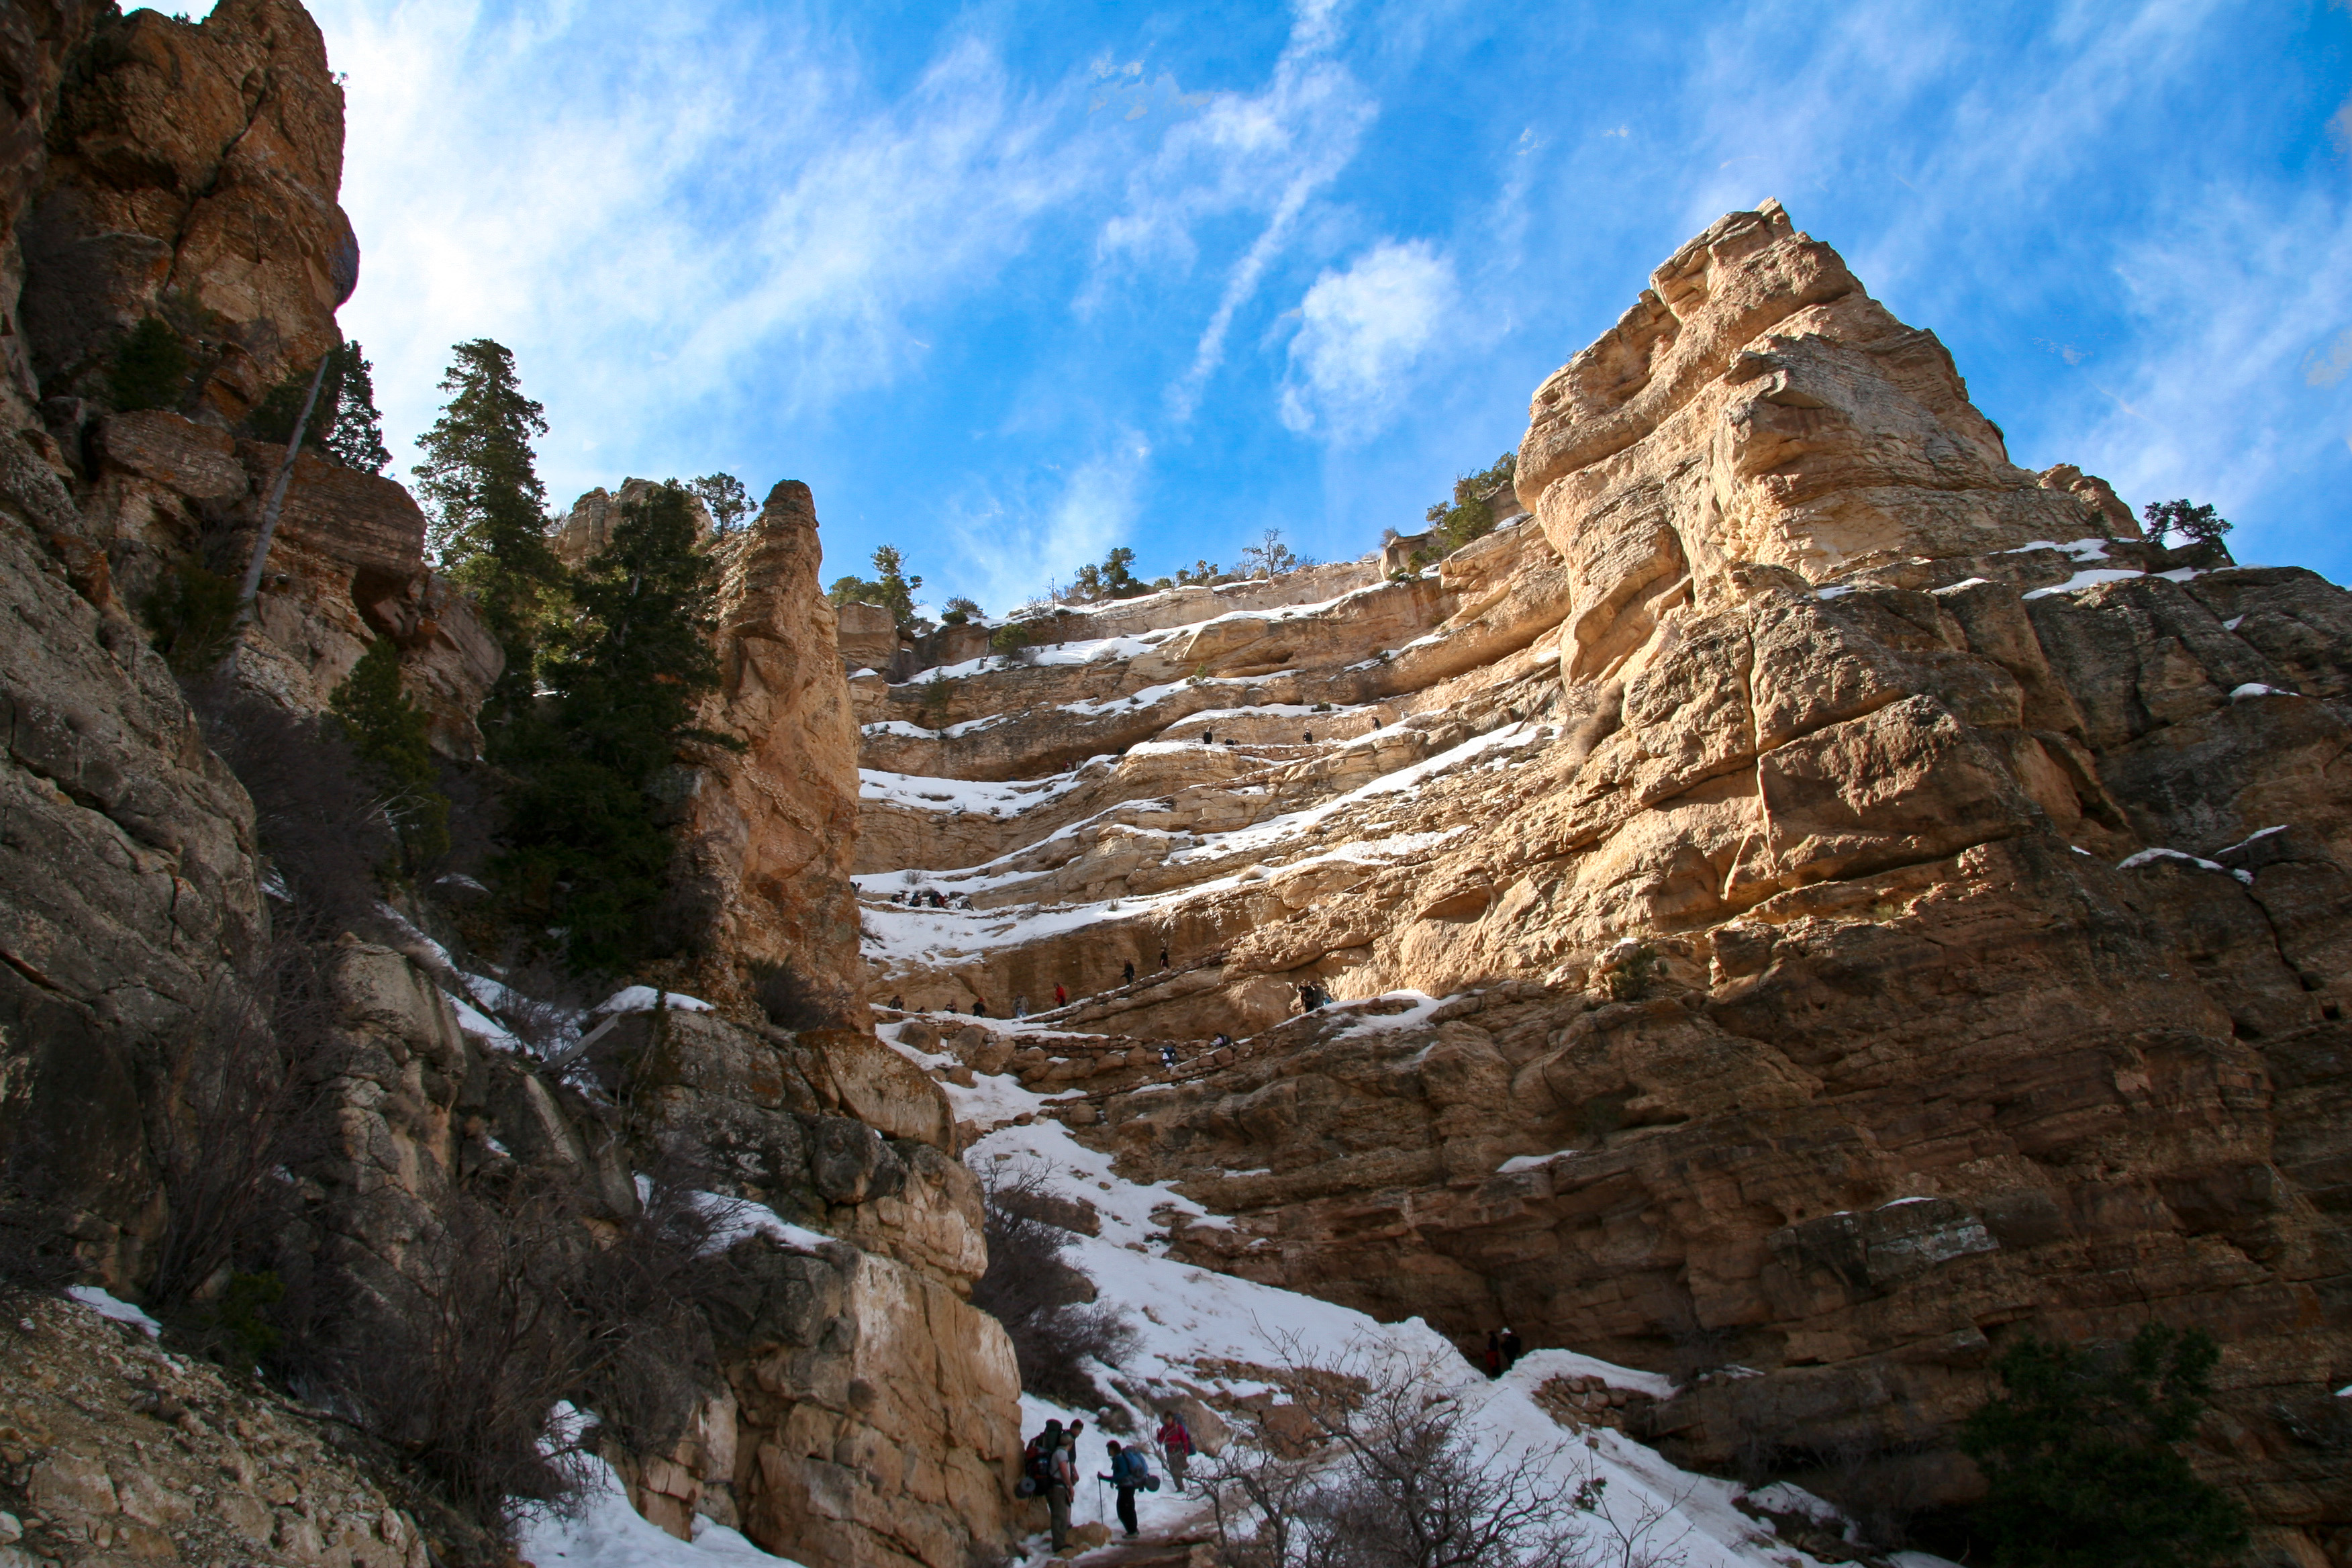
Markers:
(1173, 1437)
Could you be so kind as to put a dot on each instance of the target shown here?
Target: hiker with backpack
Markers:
(1175, 1440)
(1046, 1472)
(1128, 1471)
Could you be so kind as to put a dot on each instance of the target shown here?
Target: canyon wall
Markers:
(1814, 902)
(859, 1410)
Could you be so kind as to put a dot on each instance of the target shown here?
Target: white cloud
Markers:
(756, 248)
(1363, 333)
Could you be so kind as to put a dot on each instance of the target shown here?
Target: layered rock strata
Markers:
(1818, 898)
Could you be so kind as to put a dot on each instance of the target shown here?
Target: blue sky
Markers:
(1008, 283)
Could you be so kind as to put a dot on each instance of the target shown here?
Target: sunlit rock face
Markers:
(1865, 900)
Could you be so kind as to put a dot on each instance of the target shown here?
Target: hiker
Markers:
(1175, 1440)
(1208, 737)
(1129, 973)
(1128, 1471)
(1020, 1005)
(1061, 997)
(1494, 1353)
(1163, 958)
(1168, 1060)
(1306, 738)
(979, 1008)
(898, 1004)
(1048, 1472)
(1511, 1349)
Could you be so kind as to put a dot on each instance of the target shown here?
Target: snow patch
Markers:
(645, 999)
(109, 1306)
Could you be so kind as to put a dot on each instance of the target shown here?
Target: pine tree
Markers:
(585, 845)
(890, 587)
(2081, 1457)
(489, 513)
(355, 438)
(150, 369)
(388, 731)
(725, 497)
(345, 426)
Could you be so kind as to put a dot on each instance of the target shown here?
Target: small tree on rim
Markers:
(2196, 524)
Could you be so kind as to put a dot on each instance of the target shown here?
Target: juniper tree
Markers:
(585, 848)
(490, 513)
(151, 368)
(1470, 515)
(2197, 524)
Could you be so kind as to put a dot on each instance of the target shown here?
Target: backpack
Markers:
(1038, 1462)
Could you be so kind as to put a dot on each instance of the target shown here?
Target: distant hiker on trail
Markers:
(1494, 1353)
(1175, 1440)
(1163, 958)
(1208, 737)
(1020, 1005)
(1221, 1042)
(1511, 1350)
(1061, 997)
(898, 1004)
(979, 1008)
(1168, 1060)
(1128, 1471)
(1131, 972)
(1047, 1469)
(1306, 738)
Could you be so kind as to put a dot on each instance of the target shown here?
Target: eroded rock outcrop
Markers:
(1818, 898)
(769, 831)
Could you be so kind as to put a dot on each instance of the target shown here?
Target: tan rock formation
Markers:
(587, 527)
(769, 832)
(1867, 902)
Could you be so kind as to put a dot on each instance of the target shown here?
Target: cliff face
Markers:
(191, 170)
(770, 831)
(857, 1410)
(1818, 900)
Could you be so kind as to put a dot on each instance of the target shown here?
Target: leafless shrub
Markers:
(246, 1092)
(1045, 1304)
(514, 1307)
(37, 1255)
(1370, 1463)
(326, 833)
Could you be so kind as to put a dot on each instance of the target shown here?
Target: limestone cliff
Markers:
(1816, 900)
(855, 1408)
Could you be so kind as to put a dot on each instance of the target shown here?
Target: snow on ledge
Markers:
(2147, 857)
(645, 999)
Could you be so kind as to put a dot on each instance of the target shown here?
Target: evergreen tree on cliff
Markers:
(490, 513)
(587, 850)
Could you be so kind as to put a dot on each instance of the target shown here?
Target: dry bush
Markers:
(1045, 1304)
(36, 1256)
(1372, 1463)
(325, 831)
(517, 1307)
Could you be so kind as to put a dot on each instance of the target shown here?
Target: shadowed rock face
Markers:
(193, 168)
(1886, 904)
